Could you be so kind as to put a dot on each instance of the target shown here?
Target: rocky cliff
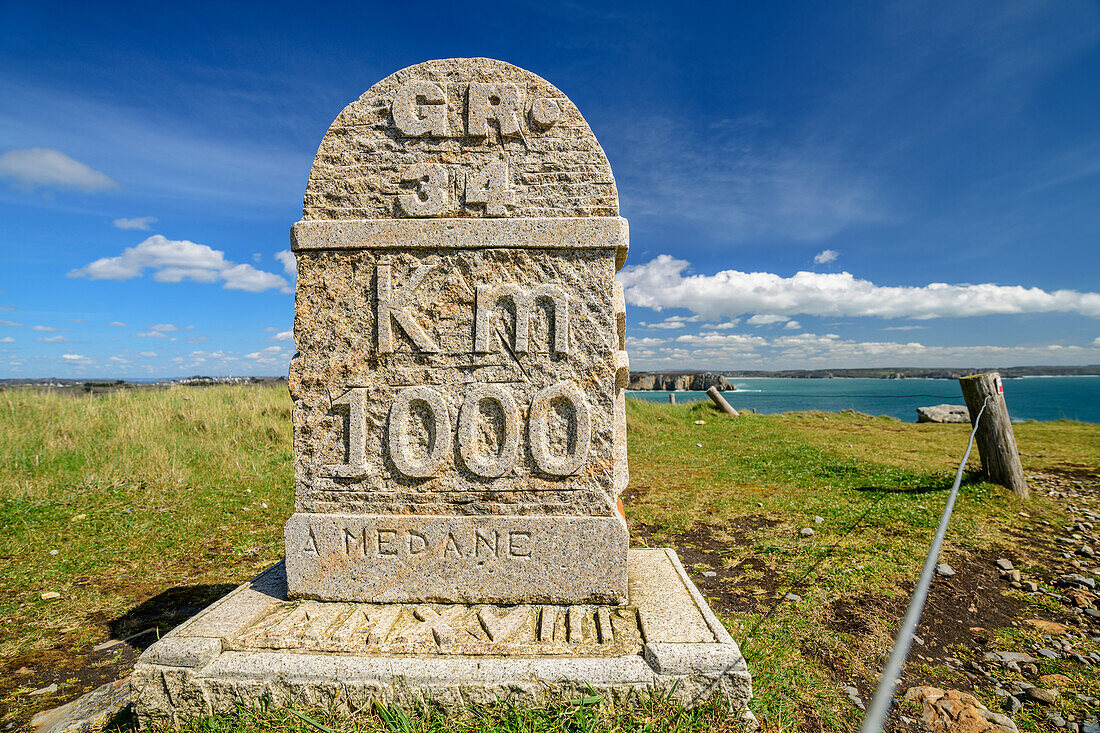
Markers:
(671, 382)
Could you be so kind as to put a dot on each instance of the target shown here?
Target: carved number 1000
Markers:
(439, 454)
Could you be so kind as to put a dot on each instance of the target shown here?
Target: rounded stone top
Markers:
(460, 138)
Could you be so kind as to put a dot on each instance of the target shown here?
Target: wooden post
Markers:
(996, 443)
(717, 398)
(672, 398)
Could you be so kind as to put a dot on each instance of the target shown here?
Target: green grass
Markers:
(140, 491)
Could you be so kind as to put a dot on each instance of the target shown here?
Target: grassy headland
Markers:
(158, 501)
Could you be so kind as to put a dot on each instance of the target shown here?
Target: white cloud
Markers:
(7, 340)
(151, 335)
(269, 355)
(73, 357)
(118, 359)
(173, 261)
(766, 319)
(792, 325)
(732, 323)
(661, 283)
(141, 222)
(47, 329)
(147, 354)
(59, 339)
(825, 256)
(12, 324)
(904, 328)
(290, 264)
(283, 336)
(118, 324)
(249, 279)
(52, 168)
(164, 328)
(714, 350)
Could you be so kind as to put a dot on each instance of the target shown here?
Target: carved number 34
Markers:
(489, 187)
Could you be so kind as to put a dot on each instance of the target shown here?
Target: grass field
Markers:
(140, 506)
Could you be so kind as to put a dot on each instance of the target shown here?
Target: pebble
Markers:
(78, 517)
(50, 595)
(1086, 551)
(700, 422)
(709, 573)
(1041, 695)
(1047, 654)
(853, 695)
(1004, 564)
(1031, 587)
(1056, 720)
(806, 532)
(792, 597)
(1013, 704)
(945, 570)
(53, 552)
(698, 445)
(818, 520)
(48, 690)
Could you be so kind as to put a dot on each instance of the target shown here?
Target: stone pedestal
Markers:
(256, 647)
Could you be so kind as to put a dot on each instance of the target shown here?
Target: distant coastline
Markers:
(1090, 370)
(660, 381)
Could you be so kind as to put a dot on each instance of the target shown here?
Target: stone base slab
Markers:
(256, 647)
(456, 559)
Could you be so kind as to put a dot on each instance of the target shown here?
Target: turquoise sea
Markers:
(1028, 398)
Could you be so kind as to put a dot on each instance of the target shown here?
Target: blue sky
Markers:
(808, 185)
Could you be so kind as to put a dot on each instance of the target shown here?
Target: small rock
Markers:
(24, 670)
(1002, 657)
(1047, 654)
(53, 552)
(700, 422)
(1055, 680)
(78, 517)
(945, 570)
(952, 711)
(1041, 695)
(806, 532)
(50, 595)
(698, 445)
(1056, 720)
(48, 690)
(818, 520)
(853, 695)
(1047, 627)
(1086, 551)
(1078, 579)
(1004, 564)
(1013, 704)
(792, 597)
(1031, 587)
(709, 573)
(89, 712)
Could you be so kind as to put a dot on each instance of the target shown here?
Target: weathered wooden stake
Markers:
(996, 443)
(672, 398)
(717, 398)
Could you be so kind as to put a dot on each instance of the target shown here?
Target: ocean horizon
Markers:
(1075, 397)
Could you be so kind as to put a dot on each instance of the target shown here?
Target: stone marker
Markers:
(459, 431)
